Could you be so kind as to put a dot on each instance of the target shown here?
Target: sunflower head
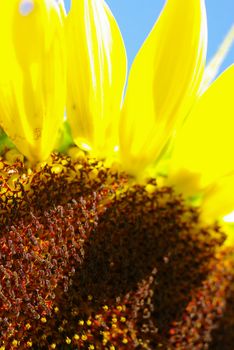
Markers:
(112, 219)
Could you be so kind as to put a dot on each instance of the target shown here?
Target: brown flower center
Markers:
(89, 260)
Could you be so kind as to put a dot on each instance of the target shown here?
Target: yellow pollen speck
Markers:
(150, 188)
(64, 162)
(28, 326)
(68, 340)
(29, 171)
(123, 319)
(41, 166)
(57, 169)
(112, 347)
(106, 337)
(43, 320)
(81, 322)
(29, 344)
(88, 323)
(14, 342)
(119, 308)
(90, 297)
(91, 347)
(53, 346)
(2, 348)
(125, 341)
(93, 174)
(84, 337)
(76, 337)
(105, 307)
(56, 309)
(114, 320)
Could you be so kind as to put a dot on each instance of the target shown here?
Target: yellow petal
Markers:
(163, 82)
(218, 199)
(32, 74)
(96, 76)
(204, 148)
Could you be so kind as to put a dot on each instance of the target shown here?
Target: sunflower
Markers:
(113, 232)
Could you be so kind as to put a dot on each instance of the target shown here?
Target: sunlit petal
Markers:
(229, 217)
(163, 82)
(204, 148)
(32, 74)
(96, 76)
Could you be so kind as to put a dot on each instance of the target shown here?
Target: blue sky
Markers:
(136, 17)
